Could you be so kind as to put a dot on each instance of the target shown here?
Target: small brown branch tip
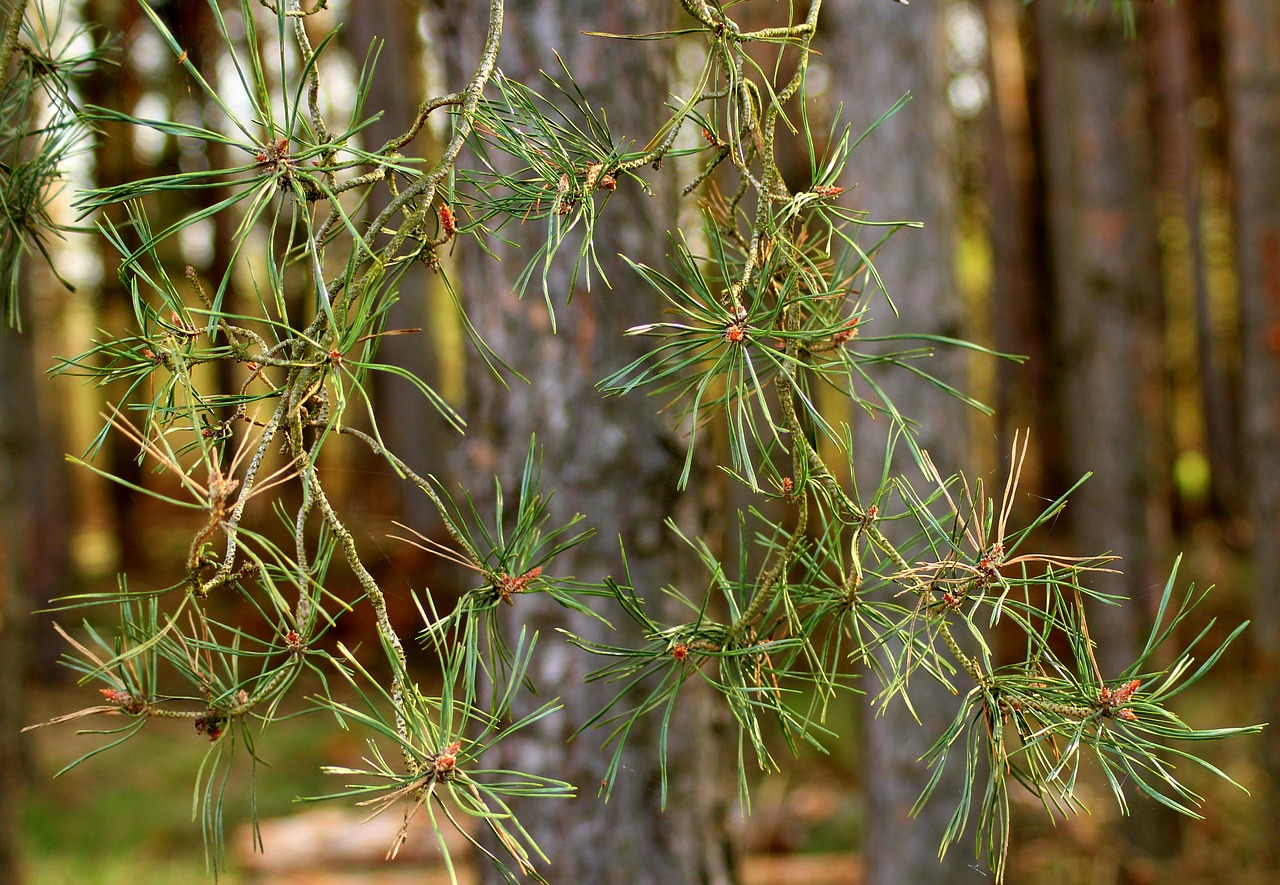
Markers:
(127, 702)
(1113, 700)
(509, 586)
(444, 764)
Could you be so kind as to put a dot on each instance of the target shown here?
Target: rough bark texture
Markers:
(1098, 177)
(906, 170)
(1253, 83)
(613, 460)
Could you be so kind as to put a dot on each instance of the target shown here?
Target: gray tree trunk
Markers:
(906, 170)
(613, 460)
(413, 432)
(1099, 178)
(1253, 84)
(1105, 272)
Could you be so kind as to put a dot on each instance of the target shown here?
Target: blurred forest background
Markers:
(1107, 205)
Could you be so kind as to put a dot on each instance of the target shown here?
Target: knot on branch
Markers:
(211, 724)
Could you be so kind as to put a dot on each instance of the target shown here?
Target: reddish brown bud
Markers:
(446, 761)
(850, 329)
(116, 696)
(509, 586)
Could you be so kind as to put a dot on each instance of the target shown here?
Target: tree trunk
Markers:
(411, 430)
(35, 530)
(34, 523)
(1098, 180)
(1201, 400)
(613, 460)
(14, 646)
(115, 162)
(1253, 82)
(906, 170)
(1021, 306)
(18, 557)
(1218, 311)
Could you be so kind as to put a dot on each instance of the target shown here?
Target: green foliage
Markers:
(770, 308)
(40, 134)
(441, 741)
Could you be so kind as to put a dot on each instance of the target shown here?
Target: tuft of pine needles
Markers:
(42, 56)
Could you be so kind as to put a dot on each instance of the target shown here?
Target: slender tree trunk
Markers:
(411, 430)
(16, 554)
(35, 530)
(34, 533)
(906, 170)
(114, 163)
(1253, 84)
(1021, 304)
(1105, 271)
(1098, 177)
(14, 647)
(1201, 406)
(613, 460)
(1217, 311)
